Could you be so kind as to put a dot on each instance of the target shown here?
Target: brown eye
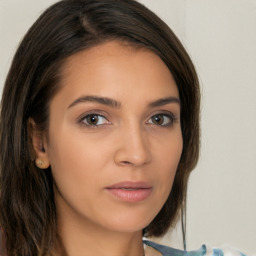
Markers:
(162, 119)
(158, 119)
(94, 120)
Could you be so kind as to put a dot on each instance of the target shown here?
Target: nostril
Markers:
(126, 162)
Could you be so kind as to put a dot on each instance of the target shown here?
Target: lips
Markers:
(130, 191)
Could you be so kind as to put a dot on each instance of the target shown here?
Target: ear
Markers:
(39, 144)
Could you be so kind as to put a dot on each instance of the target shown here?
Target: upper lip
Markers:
(130, 184)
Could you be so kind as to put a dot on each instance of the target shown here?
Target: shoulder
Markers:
(202, 251)
(223, 251)
(169, 251)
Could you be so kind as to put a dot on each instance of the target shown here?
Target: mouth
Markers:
(130, 191)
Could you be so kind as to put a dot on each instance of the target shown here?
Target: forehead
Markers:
(114, 68)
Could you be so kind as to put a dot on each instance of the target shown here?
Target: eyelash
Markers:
(166, 123)
(82, 120)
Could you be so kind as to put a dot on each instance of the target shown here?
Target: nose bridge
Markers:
(133, 145)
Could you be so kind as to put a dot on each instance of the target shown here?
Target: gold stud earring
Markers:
(42, 164)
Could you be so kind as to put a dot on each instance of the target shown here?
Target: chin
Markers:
(129, 224)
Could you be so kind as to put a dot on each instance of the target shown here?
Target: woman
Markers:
(99, 132)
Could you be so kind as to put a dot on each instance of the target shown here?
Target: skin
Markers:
(123, 144)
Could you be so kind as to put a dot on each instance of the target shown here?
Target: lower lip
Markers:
(136, 195)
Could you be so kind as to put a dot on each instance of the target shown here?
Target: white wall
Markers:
(220, 36)
(226, 60)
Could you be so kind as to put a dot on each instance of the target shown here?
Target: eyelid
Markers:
(100, 113)
(173, 118)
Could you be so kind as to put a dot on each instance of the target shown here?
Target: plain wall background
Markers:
(220, 36)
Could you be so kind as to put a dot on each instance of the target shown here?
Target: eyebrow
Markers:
(164, 101)
(115, 104)
(102, 100)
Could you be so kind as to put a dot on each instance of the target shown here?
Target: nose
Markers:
(133, 147)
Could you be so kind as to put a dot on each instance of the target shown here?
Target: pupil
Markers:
(158, 119)
(93, 119)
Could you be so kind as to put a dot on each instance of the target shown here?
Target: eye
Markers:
(94, 120)
(162, 119)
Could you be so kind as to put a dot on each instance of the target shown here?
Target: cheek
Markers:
(71, 149)
(75, 162)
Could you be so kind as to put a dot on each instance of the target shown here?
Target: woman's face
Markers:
(114, 140)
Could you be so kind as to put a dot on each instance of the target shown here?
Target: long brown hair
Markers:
(27, 208)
